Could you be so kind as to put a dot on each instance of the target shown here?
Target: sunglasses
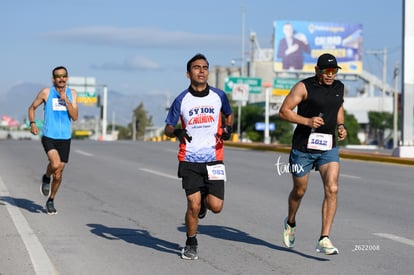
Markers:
(60, 76)
(328, 71)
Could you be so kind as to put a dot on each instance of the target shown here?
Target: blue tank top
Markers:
(57, 122)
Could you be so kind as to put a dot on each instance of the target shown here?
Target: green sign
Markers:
(284, 83)
(255, 84)
(85, 88)
(282, 86)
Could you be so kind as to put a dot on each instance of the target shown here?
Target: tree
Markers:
(352, 128)
(283, 132)
(140, 121)
(250, 114)
(379, 122)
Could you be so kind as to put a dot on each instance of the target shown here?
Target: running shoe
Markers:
(50, 208)
(289, 234)
(45, 187)
(325, 246)
(189, 252)
(203, 208)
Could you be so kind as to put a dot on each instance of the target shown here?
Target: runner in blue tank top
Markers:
(60, 108)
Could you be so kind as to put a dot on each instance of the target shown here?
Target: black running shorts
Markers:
(60, 145)
(194, 178)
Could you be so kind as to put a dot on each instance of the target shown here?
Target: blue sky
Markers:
(141, 47)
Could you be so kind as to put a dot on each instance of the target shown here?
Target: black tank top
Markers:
(321, 99)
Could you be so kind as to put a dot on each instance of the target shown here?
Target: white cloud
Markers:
(141, 38)
(132, 63)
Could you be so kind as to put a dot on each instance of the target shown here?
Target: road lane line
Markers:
(349, 176)
(40, 260)
(395, 238)
(84, 153)
(159, 173)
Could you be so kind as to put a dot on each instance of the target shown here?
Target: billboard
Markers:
(85, 88)
(298, 44)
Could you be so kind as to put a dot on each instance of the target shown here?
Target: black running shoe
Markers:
(45, 187)
(203, 208)
(50, 208)
(189, 252)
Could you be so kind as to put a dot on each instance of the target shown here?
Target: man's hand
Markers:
(33, 129)
(182, 135)
(227, 131)
(342, 132)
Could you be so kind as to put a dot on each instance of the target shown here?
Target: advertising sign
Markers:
(85, 88)
(298, 44)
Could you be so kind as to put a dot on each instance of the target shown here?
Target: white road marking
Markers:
(84, 153)
(395, 238)
(40, 260)
(159, 173)
(349, 176)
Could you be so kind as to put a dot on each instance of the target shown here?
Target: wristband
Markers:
(31, 122)
(341, 124)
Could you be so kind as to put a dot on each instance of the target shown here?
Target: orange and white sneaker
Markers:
(289, 235)
(325, 246)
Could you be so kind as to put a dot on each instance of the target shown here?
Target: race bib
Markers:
(58, 104)
(319, 141)
(216, 172)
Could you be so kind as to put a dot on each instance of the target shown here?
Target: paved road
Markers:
(121, 211)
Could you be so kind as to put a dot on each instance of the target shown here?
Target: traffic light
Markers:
(98, 101)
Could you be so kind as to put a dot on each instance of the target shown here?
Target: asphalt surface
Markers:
(121, 211)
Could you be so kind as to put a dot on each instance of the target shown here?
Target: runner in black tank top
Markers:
(320, 122)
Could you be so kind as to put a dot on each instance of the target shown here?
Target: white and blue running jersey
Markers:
(201, 116)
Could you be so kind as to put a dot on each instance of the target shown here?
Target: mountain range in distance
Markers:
(16, 100)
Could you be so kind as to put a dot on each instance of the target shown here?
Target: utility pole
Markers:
(267, 87)
(134, 127)
(243, 60)
(384, 73)
(105, 110)
(242, 68)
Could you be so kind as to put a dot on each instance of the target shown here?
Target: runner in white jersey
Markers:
(206, 119)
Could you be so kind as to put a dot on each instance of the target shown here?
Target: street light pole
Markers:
(267, 87)
(395, 122)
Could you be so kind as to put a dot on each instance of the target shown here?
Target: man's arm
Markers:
(40, 98)
(229, 120)
(342, 132)
(292, 100)
(296, 95)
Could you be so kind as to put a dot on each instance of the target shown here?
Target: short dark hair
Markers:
(59, 68)
(194, 58)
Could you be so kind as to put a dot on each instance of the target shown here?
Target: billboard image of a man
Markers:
(291, 48)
